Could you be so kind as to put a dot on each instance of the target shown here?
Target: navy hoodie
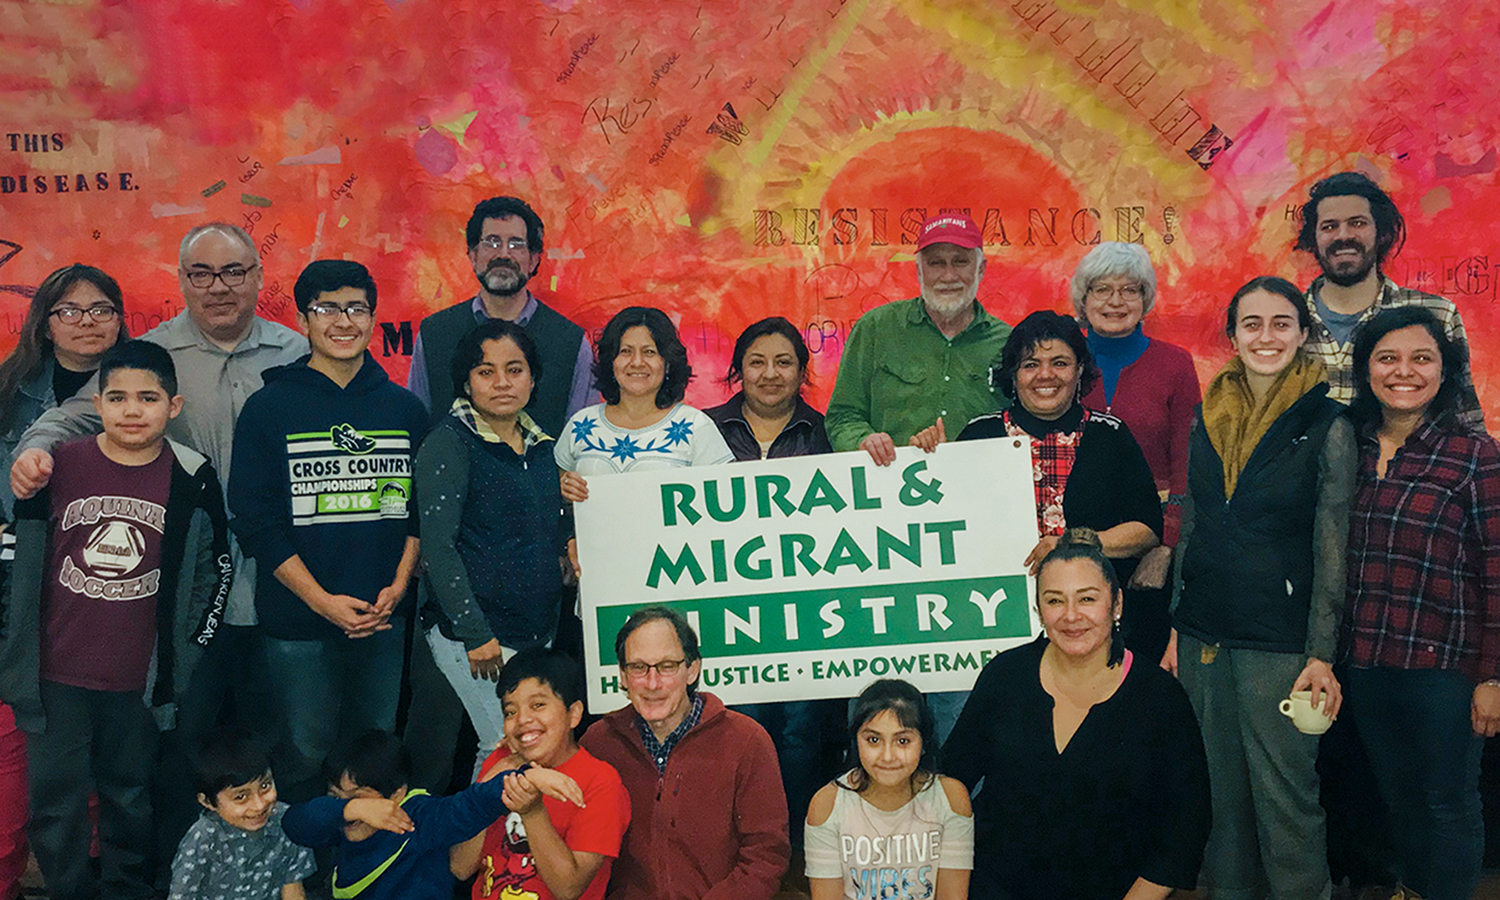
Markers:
(324, 473)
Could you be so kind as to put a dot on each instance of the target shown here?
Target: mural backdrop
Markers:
(729, 159)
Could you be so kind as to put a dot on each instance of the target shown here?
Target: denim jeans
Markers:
(330, 691)
(1417, 728)
(101, 742)
(13, 849)
(476, 694)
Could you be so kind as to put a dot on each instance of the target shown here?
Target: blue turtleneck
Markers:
(1113, 354)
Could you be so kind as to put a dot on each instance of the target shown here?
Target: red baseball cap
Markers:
(950, 228)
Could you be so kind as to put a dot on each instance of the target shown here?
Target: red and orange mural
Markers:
(727, 160)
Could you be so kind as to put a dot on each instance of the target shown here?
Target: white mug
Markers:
(1309, 719)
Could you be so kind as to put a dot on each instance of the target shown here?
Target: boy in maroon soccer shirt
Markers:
(121, 574)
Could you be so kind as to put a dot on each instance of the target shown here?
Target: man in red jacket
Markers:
(708, 813)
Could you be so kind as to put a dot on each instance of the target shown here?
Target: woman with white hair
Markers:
(1152, 387)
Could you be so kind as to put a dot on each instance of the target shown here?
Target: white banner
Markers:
(808, 577)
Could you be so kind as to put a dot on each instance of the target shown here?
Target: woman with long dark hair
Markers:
(76, 315)
(768, 419)
(1419, 654)
(491, 516)
(891, 795)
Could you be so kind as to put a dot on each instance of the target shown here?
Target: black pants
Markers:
(102, 742)
(229, 686)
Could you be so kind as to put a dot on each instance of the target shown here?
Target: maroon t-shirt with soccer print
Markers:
(103, 567)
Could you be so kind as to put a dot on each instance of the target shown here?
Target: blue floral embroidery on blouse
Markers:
(625, 448)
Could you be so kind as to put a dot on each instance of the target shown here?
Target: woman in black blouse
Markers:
(1089, 471)
(1095, 782)
(767, 418)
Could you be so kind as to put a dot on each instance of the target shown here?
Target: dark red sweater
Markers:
(712, 828)
(1156, 397)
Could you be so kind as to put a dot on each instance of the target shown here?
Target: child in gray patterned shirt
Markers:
(237, 850)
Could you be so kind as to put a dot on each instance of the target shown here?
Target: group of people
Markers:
(213, 530)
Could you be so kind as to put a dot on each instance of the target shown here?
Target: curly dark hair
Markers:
(674, 379)
(1390, 227)
(1365, 408)
(504, 208)
(1042, 325)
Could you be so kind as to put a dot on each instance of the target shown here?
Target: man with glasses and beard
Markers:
(505, 249)
(909, 363)
(1350, 226)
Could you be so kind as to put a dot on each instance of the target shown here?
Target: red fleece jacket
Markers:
(712, 828)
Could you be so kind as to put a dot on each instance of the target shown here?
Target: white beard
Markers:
(944, 306)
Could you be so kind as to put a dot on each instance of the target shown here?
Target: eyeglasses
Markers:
(74, 314)
(495, 242)
(1104, 291)
(357, 313)
(232, 276)
(666, 668)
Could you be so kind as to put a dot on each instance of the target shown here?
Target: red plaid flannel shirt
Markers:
(1424, 555)
(1051, 464)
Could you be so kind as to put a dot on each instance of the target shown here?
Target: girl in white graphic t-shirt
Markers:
(890, 827)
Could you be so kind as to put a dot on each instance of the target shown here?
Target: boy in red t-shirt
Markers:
(546, 848)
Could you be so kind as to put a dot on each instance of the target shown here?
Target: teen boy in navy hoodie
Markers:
(320, 497)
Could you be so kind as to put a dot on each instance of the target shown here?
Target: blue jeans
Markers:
(330, 691)
(100, 742)
(1417, 728)
(476, 694)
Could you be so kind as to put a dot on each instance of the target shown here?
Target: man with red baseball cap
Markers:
(912, 362)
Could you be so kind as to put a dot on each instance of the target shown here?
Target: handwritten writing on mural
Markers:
(706, 154)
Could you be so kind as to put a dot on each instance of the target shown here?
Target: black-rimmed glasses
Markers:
(74, 314)
(232, 276)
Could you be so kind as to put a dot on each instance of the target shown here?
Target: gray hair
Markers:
(224, 228)
(1114, 258)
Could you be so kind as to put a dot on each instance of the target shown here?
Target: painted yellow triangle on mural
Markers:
(684, 220)
(458, 126)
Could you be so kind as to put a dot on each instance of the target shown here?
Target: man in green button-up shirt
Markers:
(910, 362)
